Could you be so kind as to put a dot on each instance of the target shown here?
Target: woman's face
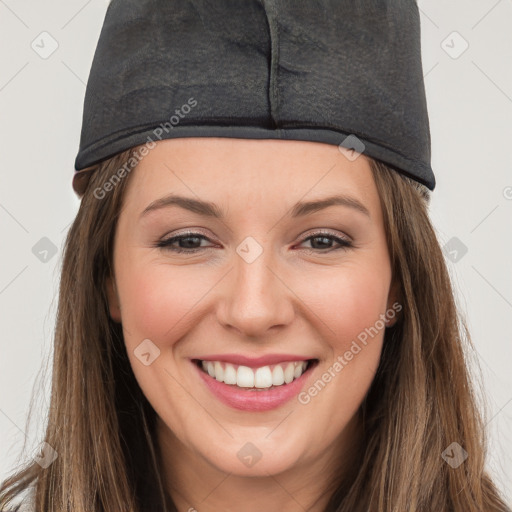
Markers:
(266, 282)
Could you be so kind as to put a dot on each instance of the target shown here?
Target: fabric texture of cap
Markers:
(343, 72)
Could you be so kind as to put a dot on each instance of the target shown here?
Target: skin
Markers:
(297, 297)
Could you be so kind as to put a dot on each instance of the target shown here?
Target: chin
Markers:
(249, 460)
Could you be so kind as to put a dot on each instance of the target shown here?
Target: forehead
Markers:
(249, 171)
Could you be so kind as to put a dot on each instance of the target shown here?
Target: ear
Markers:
(394, 299)
(113, 300)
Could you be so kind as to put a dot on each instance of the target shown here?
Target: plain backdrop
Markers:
(467, 62)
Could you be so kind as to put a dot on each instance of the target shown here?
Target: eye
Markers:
(191, 242)
(320, 239)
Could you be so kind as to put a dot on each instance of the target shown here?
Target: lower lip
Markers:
(254, 401)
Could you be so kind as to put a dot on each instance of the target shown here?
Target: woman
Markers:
(248, 323)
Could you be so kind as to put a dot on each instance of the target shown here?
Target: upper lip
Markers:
(254, 362)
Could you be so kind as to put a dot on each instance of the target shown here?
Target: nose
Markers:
(256, 299)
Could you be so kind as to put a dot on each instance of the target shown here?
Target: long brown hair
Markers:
(421, 400)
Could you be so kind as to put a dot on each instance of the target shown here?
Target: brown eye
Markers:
(188, 243)
(322, 241)
(191, 243)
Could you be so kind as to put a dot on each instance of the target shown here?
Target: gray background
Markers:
(469, 96)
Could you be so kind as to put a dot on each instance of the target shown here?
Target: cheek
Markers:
(158, 305)
(155, 302)
(348, 302)
(349, 305)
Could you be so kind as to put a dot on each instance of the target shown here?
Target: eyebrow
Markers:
(208, 209)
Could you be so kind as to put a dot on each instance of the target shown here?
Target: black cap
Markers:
(343, 72)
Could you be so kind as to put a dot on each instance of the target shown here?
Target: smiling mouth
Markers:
(263, 378)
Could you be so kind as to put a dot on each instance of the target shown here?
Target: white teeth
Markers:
(229, 374)
(289, 373)
(262, 378)
(277, 375)
(244, 377)
(219, 371)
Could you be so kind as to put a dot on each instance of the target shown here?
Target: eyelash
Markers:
(166, 243)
